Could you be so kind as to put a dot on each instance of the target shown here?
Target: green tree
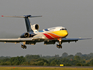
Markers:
(55, 62)
(42, 62)
(29, 57)
(77, 58)
(65, 61)
(70, 57)
(17, 60)
(78, 54)
(64, 54)
(91, 62)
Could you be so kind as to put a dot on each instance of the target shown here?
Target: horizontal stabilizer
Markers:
(25, 16)
(27, 21)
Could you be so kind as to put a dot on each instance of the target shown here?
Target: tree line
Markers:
(78, 59)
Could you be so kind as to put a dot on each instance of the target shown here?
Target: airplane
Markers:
(34, 35)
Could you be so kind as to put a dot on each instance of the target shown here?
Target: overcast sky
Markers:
(75, 15)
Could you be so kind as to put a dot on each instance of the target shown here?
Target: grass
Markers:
(43, 68)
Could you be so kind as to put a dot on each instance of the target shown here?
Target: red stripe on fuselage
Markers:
(54, 36)
(48, 36)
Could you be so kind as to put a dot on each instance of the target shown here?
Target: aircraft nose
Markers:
(61, 33)
(65, 33)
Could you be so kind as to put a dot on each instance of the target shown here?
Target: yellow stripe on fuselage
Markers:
(62, 33)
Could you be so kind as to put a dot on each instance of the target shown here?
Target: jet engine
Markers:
(26, 35)
(35, 27)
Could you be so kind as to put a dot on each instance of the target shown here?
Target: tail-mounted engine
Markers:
(27, 35)
(35, 27)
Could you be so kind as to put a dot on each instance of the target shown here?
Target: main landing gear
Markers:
(59, 45)
(23, 46)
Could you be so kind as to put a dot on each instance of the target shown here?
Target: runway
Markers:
(53, 66)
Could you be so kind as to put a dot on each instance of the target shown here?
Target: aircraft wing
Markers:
(73, 39)
(16, 40)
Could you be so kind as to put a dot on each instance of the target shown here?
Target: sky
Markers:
(75, 15)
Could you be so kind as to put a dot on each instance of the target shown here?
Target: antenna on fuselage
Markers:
(27, 21)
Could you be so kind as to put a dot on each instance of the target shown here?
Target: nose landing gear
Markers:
(59, 45)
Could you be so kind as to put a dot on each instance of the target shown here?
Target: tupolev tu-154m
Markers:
(34, 35)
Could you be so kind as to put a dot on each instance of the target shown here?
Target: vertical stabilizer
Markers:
(28, 26)
(27, 21)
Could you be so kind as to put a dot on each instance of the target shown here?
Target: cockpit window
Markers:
(63, 29)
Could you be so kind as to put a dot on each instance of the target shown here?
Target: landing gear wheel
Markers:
(59, 46)
(23, 46)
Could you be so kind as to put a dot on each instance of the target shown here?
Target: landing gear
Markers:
(23, 46)
(59, 45)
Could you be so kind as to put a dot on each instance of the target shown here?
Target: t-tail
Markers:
(27, 21)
